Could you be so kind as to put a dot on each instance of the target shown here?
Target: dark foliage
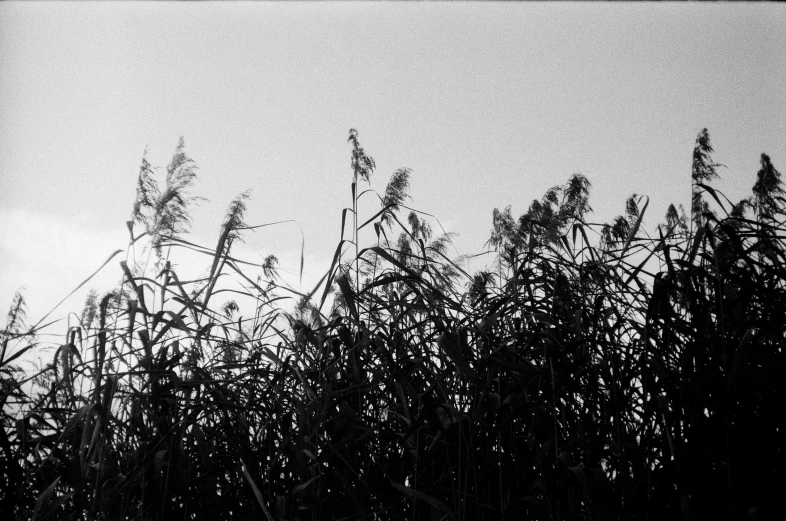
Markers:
(596, 373)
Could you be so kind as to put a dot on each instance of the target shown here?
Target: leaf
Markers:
(304, 486)
(255, 489)
(44, 498)
(112, 256)
(80, 414)
(388, 279)
(15, 356)
(635, 229)
(450, 347)
(309, 454)
(302, 254)
(331, 271)
(714, 194)
(205, 330)
(697, 240)
(349, 295)
(175, 320)
(439, 505)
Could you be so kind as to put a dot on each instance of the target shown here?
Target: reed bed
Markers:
(594, 372)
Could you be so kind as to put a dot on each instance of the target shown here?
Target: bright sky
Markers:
(489, 104)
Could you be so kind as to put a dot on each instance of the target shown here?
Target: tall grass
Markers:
(594, 372)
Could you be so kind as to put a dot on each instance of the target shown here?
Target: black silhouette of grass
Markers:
(597, 372)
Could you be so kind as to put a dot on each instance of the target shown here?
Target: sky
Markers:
(489, 104)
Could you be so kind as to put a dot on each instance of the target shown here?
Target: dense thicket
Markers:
(594, 372)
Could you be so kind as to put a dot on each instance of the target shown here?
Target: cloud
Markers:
(50, 255)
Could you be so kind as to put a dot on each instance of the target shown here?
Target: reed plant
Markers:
(595, 371)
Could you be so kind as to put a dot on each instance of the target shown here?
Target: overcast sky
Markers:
(489, 104)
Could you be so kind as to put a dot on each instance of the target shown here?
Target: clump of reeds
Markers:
(595, 372)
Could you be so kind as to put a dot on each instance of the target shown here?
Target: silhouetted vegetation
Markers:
(598, 372)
